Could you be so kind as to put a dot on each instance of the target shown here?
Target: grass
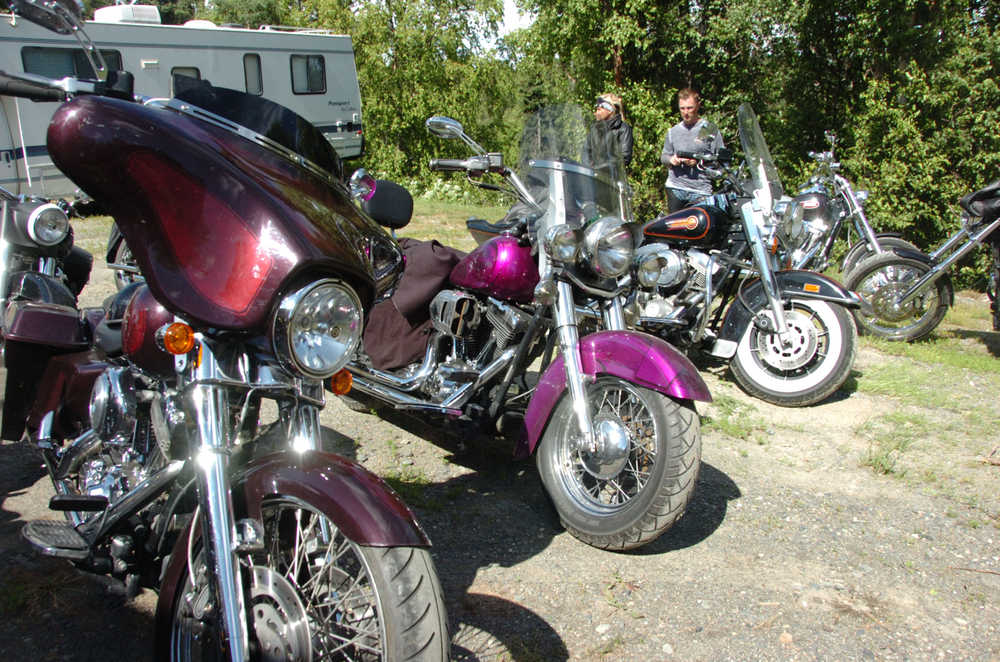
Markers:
(890, 436)
(734, 418)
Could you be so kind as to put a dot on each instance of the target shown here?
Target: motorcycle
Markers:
(830, 204)
(179, 424)
(909, 292)
(611, 420)
(786, 333)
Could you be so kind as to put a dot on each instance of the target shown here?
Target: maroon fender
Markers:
(358, 502)
(635, 357)
(65, 389)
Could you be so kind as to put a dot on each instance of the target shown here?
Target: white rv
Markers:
(310, 72)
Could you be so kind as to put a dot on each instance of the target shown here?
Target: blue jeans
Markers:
(679, 199)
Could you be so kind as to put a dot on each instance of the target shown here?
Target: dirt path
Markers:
(792, 548)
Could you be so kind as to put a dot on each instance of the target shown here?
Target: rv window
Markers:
(252, 73)
(190, 72)
(308, 74)
(62, 62)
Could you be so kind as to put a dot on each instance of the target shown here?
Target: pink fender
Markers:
(635, 357)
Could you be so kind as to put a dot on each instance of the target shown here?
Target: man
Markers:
(687, 184)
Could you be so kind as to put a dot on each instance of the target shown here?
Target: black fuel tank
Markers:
(703, 225)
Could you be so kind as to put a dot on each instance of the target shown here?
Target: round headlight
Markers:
(672, 265)
(648, 270)
(560, 242)
(791, 221)
(609, 246)
(48, 225)
(317, 328)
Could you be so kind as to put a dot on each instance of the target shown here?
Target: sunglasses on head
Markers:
(606, 105)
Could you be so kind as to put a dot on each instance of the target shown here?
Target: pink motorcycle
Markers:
(611, 419)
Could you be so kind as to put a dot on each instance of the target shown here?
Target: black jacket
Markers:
(613, 129)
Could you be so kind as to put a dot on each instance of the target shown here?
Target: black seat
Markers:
(984, 203)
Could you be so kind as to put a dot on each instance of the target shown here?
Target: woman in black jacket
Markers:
(609, 109)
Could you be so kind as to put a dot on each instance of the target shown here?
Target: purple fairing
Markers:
(500, 268)
(639, 358)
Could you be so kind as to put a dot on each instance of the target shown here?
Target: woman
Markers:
(609, 110)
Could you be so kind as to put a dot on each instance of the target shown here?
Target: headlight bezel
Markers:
(608, 261)
(37, 228)
(562, 243)
(288, 321)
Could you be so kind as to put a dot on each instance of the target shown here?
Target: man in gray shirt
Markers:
(687, 184)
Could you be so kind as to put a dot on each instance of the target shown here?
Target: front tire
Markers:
(860, 252)
(314, 594)
(882, 278)
(817, 363)
(627, 496)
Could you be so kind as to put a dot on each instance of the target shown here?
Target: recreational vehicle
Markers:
(310, 72)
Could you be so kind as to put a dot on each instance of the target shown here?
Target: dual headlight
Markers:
(657, 265)
(606, 245)
(317, 328)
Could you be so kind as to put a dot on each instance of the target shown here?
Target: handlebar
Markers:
(27, 89)
(704, 158)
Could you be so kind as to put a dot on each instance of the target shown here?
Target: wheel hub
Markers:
(884, 303)
(613, 443)
(279, 618)
(801, 347)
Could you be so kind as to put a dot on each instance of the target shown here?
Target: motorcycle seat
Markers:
(984, 203)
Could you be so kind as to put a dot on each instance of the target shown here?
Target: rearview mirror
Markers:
(444, 127)
(61, 16)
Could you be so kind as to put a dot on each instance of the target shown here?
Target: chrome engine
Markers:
(126, 451)
(688, 279)
(469, 333)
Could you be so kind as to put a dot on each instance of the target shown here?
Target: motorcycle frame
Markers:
(951, 251)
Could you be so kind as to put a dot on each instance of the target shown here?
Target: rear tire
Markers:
(123, 255)
(313, 596)
(622, 500)
(881, 278)
(816, 364)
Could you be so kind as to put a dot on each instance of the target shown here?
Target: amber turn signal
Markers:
(341, 383)
(178, 338)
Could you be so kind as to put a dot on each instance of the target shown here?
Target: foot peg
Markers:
(54, 538)
(78, 502)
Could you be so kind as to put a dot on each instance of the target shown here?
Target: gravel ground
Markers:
(790, 550)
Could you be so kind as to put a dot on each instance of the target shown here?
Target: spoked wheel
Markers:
(814, 362)
(860, 251)
(123, 255)
(641, 477)
(315, 595)
(881, 280)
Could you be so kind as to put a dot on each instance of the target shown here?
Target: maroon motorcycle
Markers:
(179, 423)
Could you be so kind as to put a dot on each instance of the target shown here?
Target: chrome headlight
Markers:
(561, 243)
(672, 267)
(47, 225)
(791, 221)
(608, 245)
(317, 328)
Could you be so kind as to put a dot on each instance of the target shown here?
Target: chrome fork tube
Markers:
(766, 273)
(858, 213)
(938, 270)
(210, 407)
(614, 314)
(569, 345)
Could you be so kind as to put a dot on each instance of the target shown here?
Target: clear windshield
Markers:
(572, 165)
(766, 182)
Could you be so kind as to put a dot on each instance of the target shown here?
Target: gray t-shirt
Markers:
(683, 139)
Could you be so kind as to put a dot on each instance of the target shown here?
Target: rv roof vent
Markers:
(127, 14)
(199, 23)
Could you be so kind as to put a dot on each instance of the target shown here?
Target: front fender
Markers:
(793, 284)
(635, 357)
(354, 499)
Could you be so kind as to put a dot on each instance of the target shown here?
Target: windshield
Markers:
(766, 182)
(573, 166)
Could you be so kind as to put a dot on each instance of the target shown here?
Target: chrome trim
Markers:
(411, 383)
(569, 346)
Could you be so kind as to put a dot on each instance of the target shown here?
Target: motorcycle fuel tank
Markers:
(500, 268)
(692, 226)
